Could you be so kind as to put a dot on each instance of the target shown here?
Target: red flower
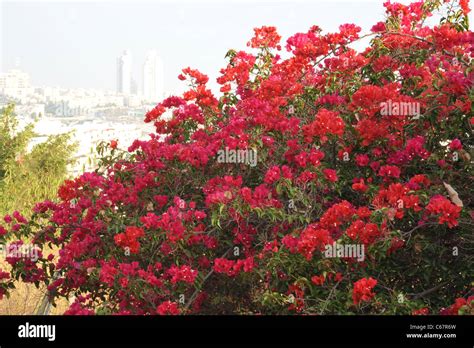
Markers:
(395, 244)
(458, 304)
(231, 267)
(113, 144)
(418, 181)
(226, 88)
(4, 275)
(290, 242)
(362, 160)
(330, 174)
(447, 212)
(161, 200)
(265, 37)
(363, 290)
(18, 217)
(129, 238)
(366, 232)
(8, 219)
(380, 26)
(465, 6)
(360, 186)
(272, 175)
(108, 273)
(414, 148)
(297, 294)
(182, 273)
(67, 190)
(421, 311)
(363, 212)
(313, 239)
(326, 122)
(318, 280)
(77, 309)
(198, 77)
(371, 130)
(167, 308)
(222, 265)
(184, 207)
(389, 171)
(338, 214)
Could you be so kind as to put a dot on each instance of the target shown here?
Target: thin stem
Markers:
(196, 292)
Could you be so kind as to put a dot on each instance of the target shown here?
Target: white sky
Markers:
(76, 43)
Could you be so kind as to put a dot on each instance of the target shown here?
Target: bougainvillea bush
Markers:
(371, 149)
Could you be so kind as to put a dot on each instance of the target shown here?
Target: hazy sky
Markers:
(75, 44)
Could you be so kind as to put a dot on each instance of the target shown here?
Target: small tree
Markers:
(26, 176)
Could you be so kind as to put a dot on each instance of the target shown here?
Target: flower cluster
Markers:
(129, 239)
(354, 151)
(233, 267)
(446, 211)
(325, 123)
(362, 291)
(182, 274)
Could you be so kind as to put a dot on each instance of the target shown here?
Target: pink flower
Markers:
(455, 145)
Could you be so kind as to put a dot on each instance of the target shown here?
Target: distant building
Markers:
(30, 111)
(124, 73)
(15, 83)
(134, 87)
(153, 78)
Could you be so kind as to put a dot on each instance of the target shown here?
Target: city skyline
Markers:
(151, 77)
(16, 81)
(51, 37)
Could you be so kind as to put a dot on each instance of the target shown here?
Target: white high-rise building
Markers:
(153, 77)
(124, 73)
(15, 83)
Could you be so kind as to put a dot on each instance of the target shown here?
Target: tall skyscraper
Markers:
(134, 87)
(153, 77)
(124, 73)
